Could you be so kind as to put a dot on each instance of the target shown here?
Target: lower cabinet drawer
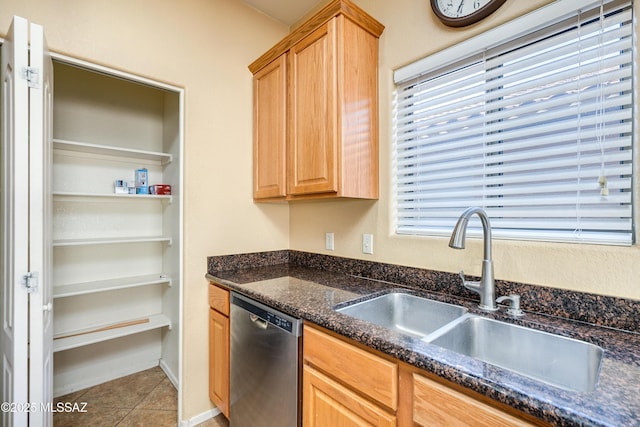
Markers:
(328, 403)
(365, 372)
(435, 405)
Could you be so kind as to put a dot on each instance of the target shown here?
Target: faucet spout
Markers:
(460, 231)
(486, 287)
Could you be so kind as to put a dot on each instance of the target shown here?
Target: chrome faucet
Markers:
(486, 286)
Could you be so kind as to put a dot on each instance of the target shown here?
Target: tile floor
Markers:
(143, 399)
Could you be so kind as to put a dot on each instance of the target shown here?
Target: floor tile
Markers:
(150, 418)
(125, 392)
(94, 417)
(71, 397)
(163, 397)
(145, 399)
(218, 421)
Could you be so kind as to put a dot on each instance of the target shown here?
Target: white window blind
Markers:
(537, 130)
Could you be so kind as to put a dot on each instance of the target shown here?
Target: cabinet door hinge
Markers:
(30, 281)
(32, 76)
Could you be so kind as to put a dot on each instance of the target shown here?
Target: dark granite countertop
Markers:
(312, 294)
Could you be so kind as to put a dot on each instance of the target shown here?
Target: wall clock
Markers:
(459, 13)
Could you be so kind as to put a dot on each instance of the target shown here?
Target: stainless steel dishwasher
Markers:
(265, 355)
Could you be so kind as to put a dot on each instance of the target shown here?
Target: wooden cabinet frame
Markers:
(219, 347)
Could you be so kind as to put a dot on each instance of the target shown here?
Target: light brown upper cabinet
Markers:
(270, 130)
(316, 109)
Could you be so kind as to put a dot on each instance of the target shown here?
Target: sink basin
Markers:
(405, 313)
(563, 362)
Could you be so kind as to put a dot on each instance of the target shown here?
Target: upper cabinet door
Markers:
(270, 130)
(313, 134)
(15, 221)
(40, 217)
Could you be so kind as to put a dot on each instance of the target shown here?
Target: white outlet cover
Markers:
(328, 242)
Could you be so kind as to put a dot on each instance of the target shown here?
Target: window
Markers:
(537, 130)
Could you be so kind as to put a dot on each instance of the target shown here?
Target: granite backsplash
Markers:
(606, 311)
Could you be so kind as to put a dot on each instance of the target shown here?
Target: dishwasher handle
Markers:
(258, 322)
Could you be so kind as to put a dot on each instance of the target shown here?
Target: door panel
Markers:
(270, 130)
(40, 214)
(313, 139)
(15, 227)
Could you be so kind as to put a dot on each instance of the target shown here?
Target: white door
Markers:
(15, 227)
(26, 308)
(40, 214)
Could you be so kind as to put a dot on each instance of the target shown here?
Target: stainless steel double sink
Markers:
(560, 361)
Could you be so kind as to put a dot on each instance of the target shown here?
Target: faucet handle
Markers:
(514, 304)
(469, 284)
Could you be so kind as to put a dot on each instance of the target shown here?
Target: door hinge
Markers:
(32, 76)
(30, 281)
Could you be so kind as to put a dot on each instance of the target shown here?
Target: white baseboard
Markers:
(200, 418)
(169, 373)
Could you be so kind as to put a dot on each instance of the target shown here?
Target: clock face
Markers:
(458, 13)
(461, 8)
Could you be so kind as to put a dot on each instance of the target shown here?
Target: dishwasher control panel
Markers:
(268, 314)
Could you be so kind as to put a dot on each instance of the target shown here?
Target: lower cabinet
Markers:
(433, 403)
(345, 384)
(219, 347)
(328, 403)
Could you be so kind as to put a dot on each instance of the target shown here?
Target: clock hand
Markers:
(460, 8)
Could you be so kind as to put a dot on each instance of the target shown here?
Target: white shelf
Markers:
(85, 147)
(110, 241)
(63, 194)
(86, 338)
(73, 289)
(116, 257)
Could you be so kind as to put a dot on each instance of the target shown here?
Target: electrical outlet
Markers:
(367, 243)
(328, 241)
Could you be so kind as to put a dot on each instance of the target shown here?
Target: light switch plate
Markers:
(367, 243)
